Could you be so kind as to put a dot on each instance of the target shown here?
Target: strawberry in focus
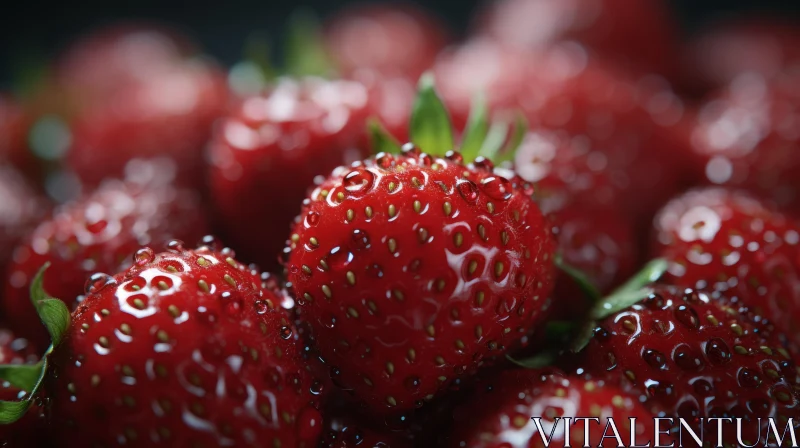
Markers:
(265, 156)
(688, 354)
(98, 232)
(499, 415)
(412, 269)
(185, 347)
(392, 40)
(720, 239)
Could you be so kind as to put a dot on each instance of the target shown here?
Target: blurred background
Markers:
(30, 31)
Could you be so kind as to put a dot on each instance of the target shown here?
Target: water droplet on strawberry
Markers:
(454, 156)
(717, 351)
(410, 149)
(654, 358)
(748, 378)
(359, 181)
(686, 359)
(261, 307)
(482, 163)
(97, 282)
(497, 187)
(211, 242)
(687, 316)
(339, 258)
(424, 160)
(384, 160)
(468, 190)
(175, 246)
(286, 332)
(360, 240)
(316, 388)
(312, 219)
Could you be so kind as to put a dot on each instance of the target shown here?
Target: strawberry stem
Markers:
(431, 129)
(53, 312)
(517, 135)
(587, 287)
(477, 128)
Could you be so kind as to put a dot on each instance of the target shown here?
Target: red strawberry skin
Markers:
(20, 209)
(715, 238)
(186, 347)
(136, 91)
(265, 156)
(396, 40)
(745, 137)
(412, 270)
(28, 430)
(638, 34)
(99, 232)
(14, 125)
(499, 415)
(690, 355)
(344, 432)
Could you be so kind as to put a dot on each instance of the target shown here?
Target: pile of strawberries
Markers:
(418, 242)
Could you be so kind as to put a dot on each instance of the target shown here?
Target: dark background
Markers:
(32, 31)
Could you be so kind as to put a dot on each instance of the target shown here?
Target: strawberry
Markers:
(689, 354)
(500, 414)
(98, 232)
(413, 269)
(396, 40)
(14, 124)
(278, 142)
(186, 347)
(744, 137)
(344, 432)
(20, 210)
(137, 92)
(729, 48)
(639, 34)
(27, 430)
(716, 238)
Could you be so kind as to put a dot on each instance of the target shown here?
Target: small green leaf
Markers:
(494, 140)
(477, 128)
(11, 411)
(651, 272)
(381, 139)
(431, 129)
(53, 312)
(305, 48)
(619, 301)
(543, 359)
(517, 136)
(21, 376)
(590, 292)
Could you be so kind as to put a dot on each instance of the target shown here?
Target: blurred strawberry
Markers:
(765, 46)
(28, 430)
(20, 210)
(96, 233)
(397, 40)
(131, 91)
(14, 125)
(746, 135)
(265, 156)
(632, 32)
(390, 102)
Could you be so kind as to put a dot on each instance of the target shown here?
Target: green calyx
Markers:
(431, 128)
(56, 318)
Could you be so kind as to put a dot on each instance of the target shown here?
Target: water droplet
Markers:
(384, 160)
(468, 190)
(653, 301)
(482, 163)
(686, 359)
(658, 389)
(316, 388)
(261, 307)
(360, 240)
(339, 258)
(312, 219)
(175, 246)
(687, 316)
(286, 332)
(454, 156)
(497, 187)
(654, 358)
(97, 282)
(211, 242)
(412, 383)
(717, 351)
(702, 387)
(748, 378)
(410, 149)
(424, 160)
(358, 181)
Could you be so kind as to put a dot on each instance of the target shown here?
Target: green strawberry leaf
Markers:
(651, 272)
(586, 286)
(381, 139)
(494, 140)
(305, 47)
(11, 411)
(21, 376)
(431, 129)
(53, 312)
(543, 359)
(517, 135)
(477, 128)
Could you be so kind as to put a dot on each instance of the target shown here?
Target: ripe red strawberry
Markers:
(500, 414)
(716, 238)
(28, 430)
(264, 157)
(186, 347)
(766, 46)
(413, 269)
(98, 232)
(690, 355)
(640, 34)
(136, 92)
(344, 432)
(745, 137)
(20, 210)
(396, 40)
